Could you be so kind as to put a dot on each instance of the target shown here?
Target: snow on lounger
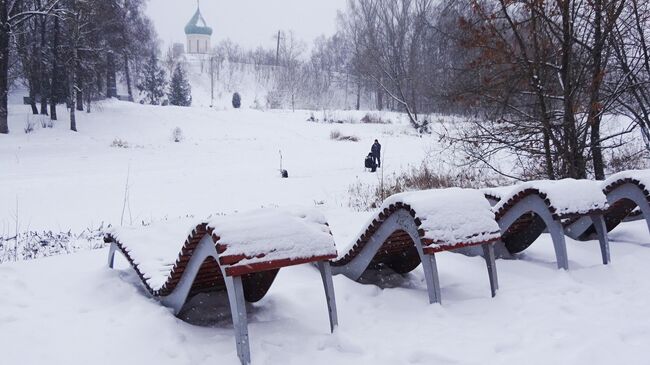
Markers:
(411, 227)
(625, 191)
(531, 207)
(240, 253)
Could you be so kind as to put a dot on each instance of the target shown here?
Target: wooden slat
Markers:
(271, 265)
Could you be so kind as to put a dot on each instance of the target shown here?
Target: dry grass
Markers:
(336, 135)
(368, 196)
(374, 118)
(628, 157)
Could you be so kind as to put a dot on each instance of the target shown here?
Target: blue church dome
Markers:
(197, 25)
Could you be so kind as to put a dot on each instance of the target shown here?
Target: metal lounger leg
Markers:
(559, 244)
(488, 253)
(111, 255)
(326, 275)
(239, 319)
(601, 230)
(431, 276)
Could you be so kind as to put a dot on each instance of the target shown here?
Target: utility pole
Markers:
(211, 81)
(277, 51)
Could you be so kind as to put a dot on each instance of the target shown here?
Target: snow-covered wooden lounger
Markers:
(241, 254)
(528, 209)
(626, 192)
(411, 228)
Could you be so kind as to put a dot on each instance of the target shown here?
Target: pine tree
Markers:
(153, 81)
(236, 100)
(180, 91)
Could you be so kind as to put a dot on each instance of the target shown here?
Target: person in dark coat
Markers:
(370, 163)
(376, 153)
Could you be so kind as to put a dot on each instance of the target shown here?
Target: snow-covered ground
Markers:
(72, 309)
(228, 161)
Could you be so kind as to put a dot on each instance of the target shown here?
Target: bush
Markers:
(369, 196)
(120, 143)
(274, 100)
(627, 157)
(37, 244)
(46, 122)
(337, 136)
(29, 125)
(177, 135)
(236, 101)
(258, 105)
(374, 118)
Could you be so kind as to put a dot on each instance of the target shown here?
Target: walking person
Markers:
(375, 150)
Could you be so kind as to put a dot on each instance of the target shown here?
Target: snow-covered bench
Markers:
(410, 228)
(240, 253)
(528, 209)
(628, 193)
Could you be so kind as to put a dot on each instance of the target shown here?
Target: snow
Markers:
(228, 162)
(449, 216)
(260, 235)
(154, 249)
(568, 196)
(71, 309)
(346, 226)
(642, 176)
(499, 192)
(274, 234)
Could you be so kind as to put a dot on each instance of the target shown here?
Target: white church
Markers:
(198, 34)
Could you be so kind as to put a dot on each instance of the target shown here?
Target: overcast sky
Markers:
(250, 23)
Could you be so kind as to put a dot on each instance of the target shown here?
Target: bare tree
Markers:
(12, 15)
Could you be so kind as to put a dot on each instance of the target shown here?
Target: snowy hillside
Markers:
(227, 161)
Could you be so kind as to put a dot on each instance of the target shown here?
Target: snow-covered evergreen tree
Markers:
(236, 100)
(180, 91)
(153, 81)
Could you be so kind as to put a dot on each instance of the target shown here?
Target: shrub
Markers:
(177, 135)
(362, 197)
(337, 136)
(32, 245)
(29, 125)
(258, 105)
(374, 118)
(120, 143)
(46, 122)
(370, 196)
(274, 100)
(236, 101)
(627, 157)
